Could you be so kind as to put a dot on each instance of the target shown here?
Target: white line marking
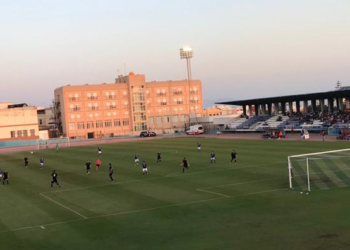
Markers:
(242, 183)
(212, 192)
(64, 206)
(144, 210)
(157, 178)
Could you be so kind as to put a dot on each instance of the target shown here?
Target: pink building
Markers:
(126, 107)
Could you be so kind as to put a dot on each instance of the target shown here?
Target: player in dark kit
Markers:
(212, 157)
(88, 167)
(54, 179)
(159, 157)
(144, 168)
(41, 162)
(233, 156)
(26, 163)
(199, 145)
(110, 171)
(136, 157)
(184, 164)
(99, 150)
(5, 178)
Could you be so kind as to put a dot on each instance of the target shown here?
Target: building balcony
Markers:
(161, 94)
(177, 93)
(93, 108)
(92, 98)
(75, 109)
(74, 99)
(111, 97)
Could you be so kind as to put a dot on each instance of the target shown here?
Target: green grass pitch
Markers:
(247, 205)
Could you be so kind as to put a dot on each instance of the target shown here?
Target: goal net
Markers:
(53, 143)
(322, 170)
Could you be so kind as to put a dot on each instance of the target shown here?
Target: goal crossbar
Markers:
(290, 167)
(320, 153)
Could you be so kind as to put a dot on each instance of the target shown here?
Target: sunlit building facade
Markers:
(18, 122)
(126, 107)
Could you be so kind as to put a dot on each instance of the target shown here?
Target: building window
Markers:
(108, 123)
(182, 118)
(25, 133)
(81, 125)
(175, 118)
(74, 107)
(151, 120)
(32, 132)
(177, 91)
(90, 125)
(19, 133)
(13, 134)
(92, 97)
(40, 121)
(193, 91)
(71, 126)
(74, 97)
(99, 124)
(125, 122)
(167, 119)
(117, 123)
(159, 119)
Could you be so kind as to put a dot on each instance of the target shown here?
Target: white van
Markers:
(195, 129)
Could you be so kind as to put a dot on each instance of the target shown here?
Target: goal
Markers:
(51, 143)
(322, 170)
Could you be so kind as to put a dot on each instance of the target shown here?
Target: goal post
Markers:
(51, 143)
(321, 170)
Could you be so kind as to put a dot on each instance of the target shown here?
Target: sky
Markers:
(242, 48)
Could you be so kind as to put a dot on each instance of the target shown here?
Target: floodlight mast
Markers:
(187, 53)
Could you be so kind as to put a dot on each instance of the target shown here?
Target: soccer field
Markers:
(247, 205)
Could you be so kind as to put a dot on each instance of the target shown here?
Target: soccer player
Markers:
(99, 150)
(184, 164)
(233, 156)
(110, 171)
(54, 179)
(144, 168)
(5, 178)
(159, 157)
(57, 147)
(41, 162)
(98, 164)
(199, 145)
(88, 167)
(136, 157)
(212, 157)
(26, 162)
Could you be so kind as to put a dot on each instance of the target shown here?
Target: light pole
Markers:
(187, 53)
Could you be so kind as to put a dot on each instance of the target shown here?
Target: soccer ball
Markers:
(32, 152)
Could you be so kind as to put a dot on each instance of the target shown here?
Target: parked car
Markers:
(147, 134)
(195, 129)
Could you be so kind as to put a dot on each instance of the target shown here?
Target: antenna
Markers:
(338, 85)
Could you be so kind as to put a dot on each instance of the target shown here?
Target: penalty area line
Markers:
(56, 202)
(142, 210)
(210, 192)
